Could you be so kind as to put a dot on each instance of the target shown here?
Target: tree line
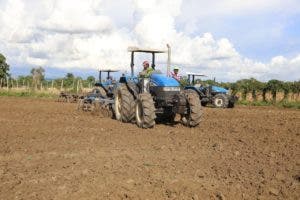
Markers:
(36, 80)
(255, 87)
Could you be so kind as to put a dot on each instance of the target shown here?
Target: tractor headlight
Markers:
(171, 89)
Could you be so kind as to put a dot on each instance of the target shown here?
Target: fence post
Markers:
(77, 87)
(62, 84)
(73, 85)
(12, 83)
(7, 82)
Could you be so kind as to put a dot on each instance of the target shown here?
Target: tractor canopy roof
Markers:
(195, 74)
(146, 50)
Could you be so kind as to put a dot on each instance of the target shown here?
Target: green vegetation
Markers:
(32, 94)
(283, 104)
(4, 69)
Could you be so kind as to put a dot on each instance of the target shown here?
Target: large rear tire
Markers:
(220, 101)
(124, 104)
(145, 111)
(194, 109)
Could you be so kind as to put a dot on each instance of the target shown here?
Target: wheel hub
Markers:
(219, 102)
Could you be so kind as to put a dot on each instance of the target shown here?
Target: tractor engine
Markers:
(166, 93)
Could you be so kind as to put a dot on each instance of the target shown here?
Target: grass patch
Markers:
(287, 104)
(32, 94)
(283, 104)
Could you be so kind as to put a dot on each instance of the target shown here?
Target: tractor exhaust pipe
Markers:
(169, 60)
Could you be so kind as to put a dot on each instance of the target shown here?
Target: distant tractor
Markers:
(217, 96)
(158, 97)
(100, 99)
(105, 86)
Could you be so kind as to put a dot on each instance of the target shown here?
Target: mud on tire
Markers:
(124, 104)
(194, 110)
(145, 111)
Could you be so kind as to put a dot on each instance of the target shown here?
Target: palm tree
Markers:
(244, 86)
(274, 86)
(295, 88)
(286, 87)
(254, 86)
(38, 75)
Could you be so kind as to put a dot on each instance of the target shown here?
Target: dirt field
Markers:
(50, 151)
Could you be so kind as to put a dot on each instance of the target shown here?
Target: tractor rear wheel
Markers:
(124, 104)
(145, 111)
(194, 109)
(220, 101)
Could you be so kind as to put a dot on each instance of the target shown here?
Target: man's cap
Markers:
(176, 68)
(145, 62)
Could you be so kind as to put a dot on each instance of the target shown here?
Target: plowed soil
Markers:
(48, 150)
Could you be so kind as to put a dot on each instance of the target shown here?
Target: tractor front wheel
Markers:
(194, 110)
(145, 111)
(124, 104)
(220, 101)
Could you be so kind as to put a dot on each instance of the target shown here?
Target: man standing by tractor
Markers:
(175, 74)
(147, 71)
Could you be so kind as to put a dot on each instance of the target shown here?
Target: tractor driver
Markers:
(147, 71)
(175, 74)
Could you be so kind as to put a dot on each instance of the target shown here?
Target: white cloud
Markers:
(83, 34)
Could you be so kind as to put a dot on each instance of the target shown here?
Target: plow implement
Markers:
(66, 97)
(96, 105)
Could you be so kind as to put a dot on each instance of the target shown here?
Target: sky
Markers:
(226, 39)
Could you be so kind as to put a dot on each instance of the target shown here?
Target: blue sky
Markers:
(226, 39)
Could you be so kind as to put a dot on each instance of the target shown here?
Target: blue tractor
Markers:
(105, 86)
(158, 97)
(217, 96)
(100, 99)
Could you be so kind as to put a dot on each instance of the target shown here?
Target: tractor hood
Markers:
(219, 89)
(164, 81)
